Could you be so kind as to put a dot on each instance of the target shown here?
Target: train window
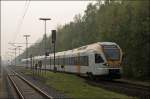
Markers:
(111, 52)
(84, 60)
(73, 61)
(47, 61)
(66, 60)
(61, 61)
(81, 61)
(50, 61)
(55, 61)
(98, 58)
(69, 61)
(76, 60)
(58, 61)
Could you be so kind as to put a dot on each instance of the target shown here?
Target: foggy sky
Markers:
(61, 12)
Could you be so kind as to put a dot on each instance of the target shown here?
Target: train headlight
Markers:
(106, 64)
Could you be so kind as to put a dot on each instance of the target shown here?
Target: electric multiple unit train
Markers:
(98, 59)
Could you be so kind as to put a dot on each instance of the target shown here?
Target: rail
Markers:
(18, 91)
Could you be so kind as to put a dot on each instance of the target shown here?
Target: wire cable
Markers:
(25, 9)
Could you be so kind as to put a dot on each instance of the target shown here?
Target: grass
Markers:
(76, 87)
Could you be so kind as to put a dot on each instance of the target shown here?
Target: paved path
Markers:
(3, 86)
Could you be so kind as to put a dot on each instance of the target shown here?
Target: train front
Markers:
(108, 58)
(113, 57)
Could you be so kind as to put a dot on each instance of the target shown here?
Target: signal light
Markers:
(53, 36)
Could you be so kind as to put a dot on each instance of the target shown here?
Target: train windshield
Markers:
(111, 52)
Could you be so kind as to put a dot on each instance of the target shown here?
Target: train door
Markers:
(91, 62)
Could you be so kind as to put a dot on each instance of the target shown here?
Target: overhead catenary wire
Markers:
(20, 22)
(21, 19)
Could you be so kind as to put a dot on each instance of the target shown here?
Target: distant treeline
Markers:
(125, 22)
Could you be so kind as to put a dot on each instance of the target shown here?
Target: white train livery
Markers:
(98, 59)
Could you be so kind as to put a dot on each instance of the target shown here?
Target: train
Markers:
(101, 59)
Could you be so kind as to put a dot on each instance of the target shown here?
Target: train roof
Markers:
(84, 49)
(94, 46)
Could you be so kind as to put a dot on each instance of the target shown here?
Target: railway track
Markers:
(130, 89)
(141, 92)
(135, 90)
(25, 89)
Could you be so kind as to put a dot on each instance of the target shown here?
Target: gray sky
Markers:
(61, 12)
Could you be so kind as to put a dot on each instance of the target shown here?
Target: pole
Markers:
(27, 50)
(54, 41)
(26, 36)
(31, 62)
(11, 61)
(15, 56)
(45, 48)
(19, 48)
(54, 58)
(45, 20)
